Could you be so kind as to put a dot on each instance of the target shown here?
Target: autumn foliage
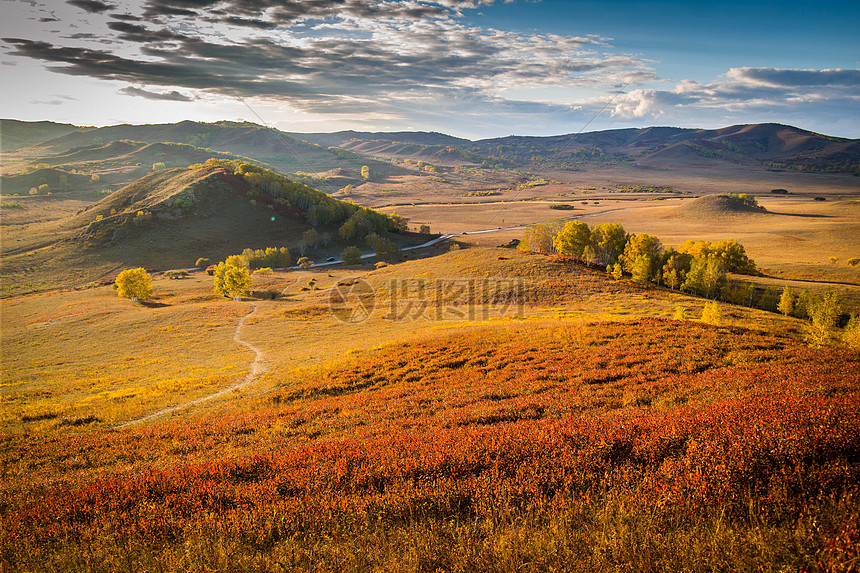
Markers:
(648, 445)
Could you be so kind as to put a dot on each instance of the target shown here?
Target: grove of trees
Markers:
(700, 267)
(318, 209)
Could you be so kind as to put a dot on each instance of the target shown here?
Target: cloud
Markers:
(92, 6)
(782, 78)
(647, 103)
(343, 65)
(170, 96)
(751, 95)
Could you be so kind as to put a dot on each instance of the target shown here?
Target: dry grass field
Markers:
(582, 430)
(465, 409)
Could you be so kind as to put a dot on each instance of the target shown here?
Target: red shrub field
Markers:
(648, 445)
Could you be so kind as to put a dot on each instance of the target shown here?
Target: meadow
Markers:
(489, 409)
(584, 430)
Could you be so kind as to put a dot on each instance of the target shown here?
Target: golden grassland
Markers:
(528, 445)
(583, 430)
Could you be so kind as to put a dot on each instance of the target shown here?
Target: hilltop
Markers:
(171, 217)
(263, 144)
(770, 146)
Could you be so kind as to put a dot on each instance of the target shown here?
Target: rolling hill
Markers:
(15, 134)
(771, 146)
(270, 146)
(168, 219)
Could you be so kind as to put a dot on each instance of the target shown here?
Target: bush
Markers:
(711, 313)
(351, 256)
(135, 284)
(202, 263)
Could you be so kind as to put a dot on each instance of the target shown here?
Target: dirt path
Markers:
(255, 368)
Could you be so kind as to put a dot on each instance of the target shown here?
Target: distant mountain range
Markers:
(771, 146)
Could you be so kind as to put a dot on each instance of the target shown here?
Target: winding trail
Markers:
(255, 368)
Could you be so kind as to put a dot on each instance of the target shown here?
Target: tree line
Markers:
(700, 267)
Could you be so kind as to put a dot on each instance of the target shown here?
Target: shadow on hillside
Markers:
(805, 215)
(152, 304)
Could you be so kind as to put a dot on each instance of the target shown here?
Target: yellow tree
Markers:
(135, 284)
(232, 278)
(573, 239)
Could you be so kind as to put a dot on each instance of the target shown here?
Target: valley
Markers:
(453, 399)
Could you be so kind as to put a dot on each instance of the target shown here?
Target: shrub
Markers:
(351, 256)
(711, 313)
(202, 263)
(135, 284)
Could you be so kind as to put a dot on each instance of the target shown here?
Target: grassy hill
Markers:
(16, 134)
(582, 430)
(280, 150)
(773, 145)
(164, 220)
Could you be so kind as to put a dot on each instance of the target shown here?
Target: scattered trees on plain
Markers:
(270, 257)
(135, 284)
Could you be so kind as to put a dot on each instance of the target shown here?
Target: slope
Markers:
(267, 145)
(171, 217)
(636, 446)
(15, 134)
(768, 144)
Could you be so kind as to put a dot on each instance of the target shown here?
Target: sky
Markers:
(469, 68)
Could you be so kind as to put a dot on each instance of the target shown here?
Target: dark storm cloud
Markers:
(169, 96)
(126, 17)
(92, 6)
(141, 34)
(331, 56)
(253, 23)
